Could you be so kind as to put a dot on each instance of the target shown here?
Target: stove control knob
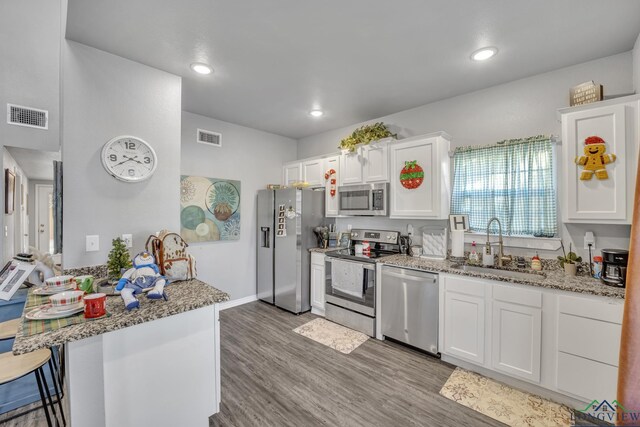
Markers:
(354, 234)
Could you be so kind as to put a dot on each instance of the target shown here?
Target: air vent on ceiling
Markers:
(27, 116)
(210, 138)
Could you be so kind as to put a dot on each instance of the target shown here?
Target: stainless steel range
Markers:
(350, 291)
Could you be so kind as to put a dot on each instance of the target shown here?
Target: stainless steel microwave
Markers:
(363, 200)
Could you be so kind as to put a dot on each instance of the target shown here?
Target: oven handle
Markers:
(365, 265)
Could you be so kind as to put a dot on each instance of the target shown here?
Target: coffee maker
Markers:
(614, 267)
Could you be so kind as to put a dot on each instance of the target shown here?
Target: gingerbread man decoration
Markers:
(595, 159)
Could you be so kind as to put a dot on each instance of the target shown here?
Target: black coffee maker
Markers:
(614, 267)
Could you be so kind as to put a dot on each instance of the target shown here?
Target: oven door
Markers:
(362, 303)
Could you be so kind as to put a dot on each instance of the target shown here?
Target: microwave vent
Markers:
(208, 137)
(27, 116)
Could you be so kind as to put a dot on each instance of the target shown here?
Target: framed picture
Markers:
(14, 279)
(9, 191)
(343, 239)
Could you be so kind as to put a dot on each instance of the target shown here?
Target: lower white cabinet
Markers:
(464, 319)
(517, 340)
(317, 278)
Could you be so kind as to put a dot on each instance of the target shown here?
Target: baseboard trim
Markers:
(237, 302)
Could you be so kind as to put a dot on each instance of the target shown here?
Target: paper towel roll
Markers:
(457, 243)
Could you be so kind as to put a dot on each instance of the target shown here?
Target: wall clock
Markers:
(129, 159)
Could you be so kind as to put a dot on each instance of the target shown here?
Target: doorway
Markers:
(44, 218)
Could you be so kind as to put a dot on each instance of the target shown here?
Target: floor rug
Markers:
(332, 335)
(504, 403)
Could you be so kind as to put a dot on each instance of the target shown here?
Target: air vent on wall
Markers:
(27, 116)
(213, 139)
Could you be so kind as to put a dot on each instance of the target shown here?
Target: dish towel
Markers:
(347, 277)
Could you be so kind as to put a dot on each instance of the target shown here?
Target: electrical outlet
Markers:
(409, 230)
(589, 238)
(128, 240)
(92, 243)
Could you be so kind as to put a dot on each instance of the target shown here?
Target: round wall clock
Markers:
(129, 159)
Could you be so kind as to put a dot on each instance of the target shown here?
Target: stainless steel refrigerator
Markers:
(286, 219)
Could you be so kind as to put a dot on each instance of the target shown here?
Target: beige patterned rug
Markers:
(504, 403)
(332, 335)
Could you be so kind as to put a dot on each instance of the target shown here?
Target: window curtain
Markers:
(513, 180)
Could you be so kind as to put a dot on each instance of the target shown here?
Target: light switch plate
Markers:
(93, 243)
(128, 240)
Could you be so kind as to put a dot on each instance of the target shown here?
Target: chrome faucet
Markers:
(501, 254)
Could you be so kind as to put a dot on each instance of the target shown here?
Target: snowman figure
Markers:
(142, 276)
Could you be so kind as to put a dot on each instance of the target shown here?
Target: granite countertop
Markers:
(324, 250)
(183, 296)
(551, 278)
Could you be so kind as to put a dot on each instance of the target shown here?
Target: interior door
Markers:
(44, 218)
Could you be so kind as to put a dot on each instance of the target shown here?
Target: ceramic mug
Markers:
(95, 305)
(85, 283)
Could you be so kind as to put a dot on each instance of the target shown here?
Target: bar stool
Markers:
(13, 367)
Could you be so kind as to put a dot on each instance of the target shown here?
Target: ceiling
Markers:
(357, 60)
(35, 164)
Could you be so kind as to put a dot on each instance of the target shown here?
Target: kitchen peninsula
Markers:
(157, 365)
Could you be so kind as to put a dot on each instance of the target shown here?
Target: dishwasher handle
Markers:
(430, 278)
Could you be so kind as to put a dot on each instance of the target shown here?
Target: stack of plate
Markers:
(56, 285)
(48, 311)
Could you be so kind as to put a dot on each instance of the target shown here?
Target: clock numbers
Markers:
(130, 145)
(147, 160)
(113, 158)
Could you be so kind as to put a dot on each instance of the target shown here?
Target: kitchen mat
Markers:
(504, 403)
(332, 335)
(32, 327)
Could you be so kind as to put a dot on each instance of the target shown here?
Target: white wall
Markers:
(30, 68)
(253, 157)
(105, 96)
(11, 223)
(636, 65)
(520, 108)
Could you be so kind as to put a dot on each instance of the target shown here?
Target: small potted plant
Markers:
(569, 261)
(119, 260)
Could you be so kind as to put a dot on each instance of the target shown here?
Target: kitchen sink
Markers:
(498, 272)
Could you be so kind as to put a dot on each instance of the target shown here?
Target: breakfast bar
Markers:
(156, 365)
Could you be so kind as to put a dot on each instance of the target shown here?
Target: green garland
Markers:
(365, 135)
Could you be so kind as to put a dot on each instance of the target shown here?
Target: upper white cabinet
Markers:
(351, 168)
(331, 201)
(608, 200)
(291, 172)
(313, 172)
(368, 164)
(430, 155)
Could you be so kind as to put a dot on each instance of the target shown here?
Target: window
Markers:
(513, 180)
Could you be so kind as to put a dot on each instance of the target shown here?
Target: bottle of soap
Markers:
(473, 256)
(536, 264)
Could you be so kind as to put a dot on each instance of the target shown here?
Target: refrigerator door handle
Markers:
(265, 236)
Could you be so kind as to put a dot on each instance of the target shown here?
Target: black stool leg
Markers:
(46, 389)
(44, 402)
(58, 392)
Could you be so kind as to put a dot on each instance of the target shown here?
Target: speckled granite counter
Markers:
(323, 250)
(551, 279)
(183, 297)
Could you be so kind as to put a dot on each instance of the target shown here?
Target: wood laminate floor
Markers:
(272, 376)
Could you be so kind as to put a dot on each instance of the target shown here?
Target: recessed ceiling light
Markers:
(316, 113)
(201, 68)
(484, 53)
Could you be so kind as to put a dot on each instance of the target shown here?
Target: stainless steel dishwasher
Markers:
(409, 303)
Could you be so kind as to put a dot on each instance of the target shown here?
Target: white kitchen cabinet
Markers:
(313, 172)
(331, 205)
(517, 331)
(375, 167)
(291, 172)
(317, 283)
(431, 199)
(607, 201)
(464, 318)
(589, 331)
(351, 168)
